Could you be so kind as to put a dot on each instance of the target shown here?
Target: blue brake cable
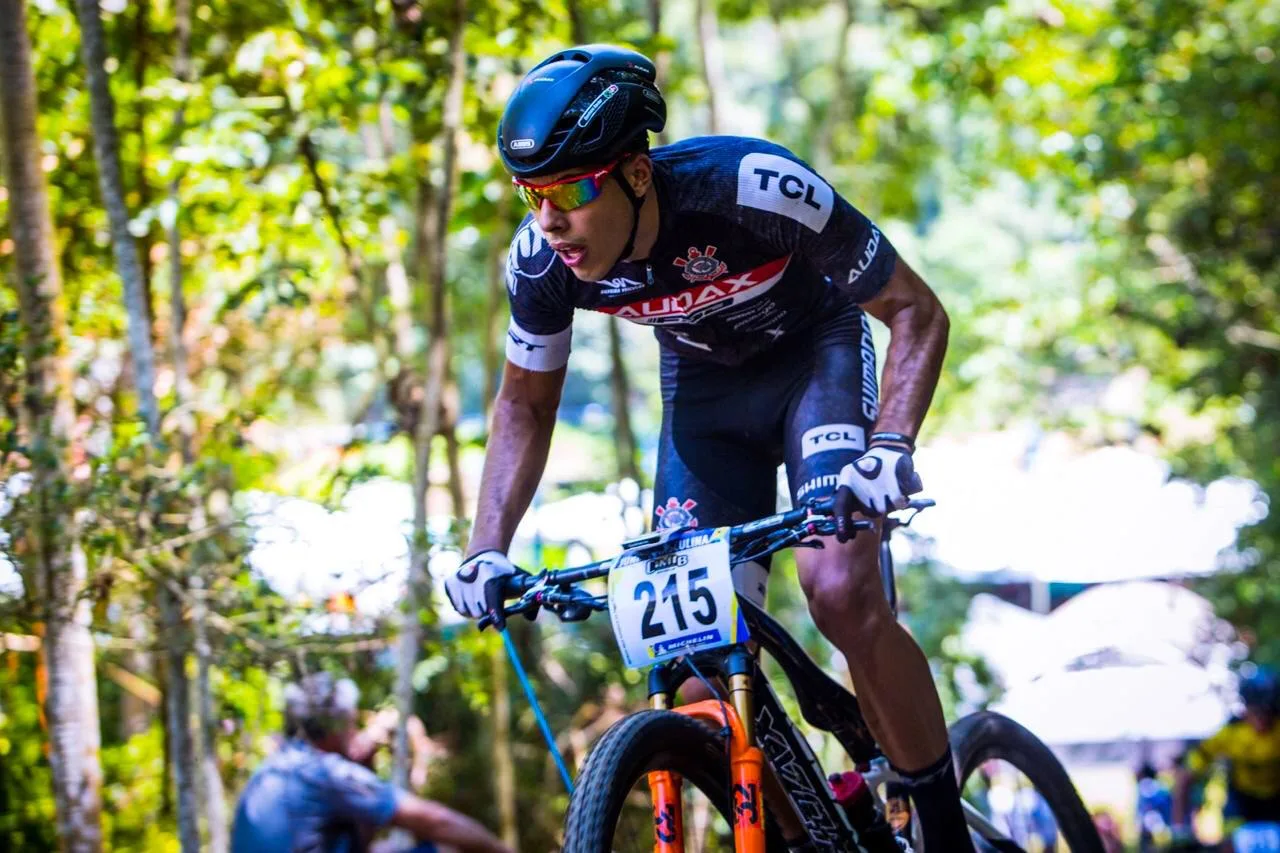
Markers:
(537, 709)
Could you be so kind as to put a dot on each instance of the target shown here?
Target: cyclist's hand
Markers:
(465, 587)
(884, 477)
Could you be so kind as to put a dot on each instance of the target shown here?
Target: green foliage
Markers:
(1088, 186)
(133, 781)
(26, 783)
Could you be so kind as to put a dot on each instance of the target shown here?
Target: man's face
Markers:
(589, 238)
(339, 740)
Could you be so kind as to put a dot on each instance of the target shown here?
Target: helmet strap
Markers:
(636, 203)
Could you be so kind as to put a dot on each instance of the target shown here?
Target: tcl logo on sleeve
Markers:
(782, 186)
(832, 437)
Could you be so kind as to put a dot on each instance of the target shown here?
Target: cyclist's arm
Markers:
(918, 329)
(430, 821)
(524, 417)
(1199, 760)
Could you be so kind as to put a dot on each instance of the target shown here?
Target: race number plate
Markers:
(674, 597)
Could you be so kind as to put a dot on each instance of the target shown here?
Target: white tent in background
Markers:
(1031, 506)
(1133, 704)
(1145, 613)
(1119, 663)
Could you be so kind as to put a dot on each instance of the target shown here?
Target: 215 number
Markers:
(704, 613)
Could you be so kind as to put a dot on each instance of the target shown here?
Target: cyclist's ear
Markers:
(638, 171)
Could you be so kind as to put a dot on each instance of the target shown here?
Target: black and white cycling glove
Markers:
(465, 587)
(883, 478)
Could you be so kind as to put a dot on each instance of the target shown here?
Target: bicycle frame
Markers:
(770, 734)
(759, 728)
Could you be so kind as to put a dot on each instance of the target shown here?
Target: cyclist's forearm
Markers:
(918, 331)
(513, 465)
(431, 821)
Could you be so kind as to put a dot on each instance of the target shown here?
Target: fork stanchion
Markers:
(537, 709)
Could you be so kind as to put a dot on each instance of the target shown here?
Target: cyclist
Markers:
(757, 277)
(310, 797)
(1250, 746)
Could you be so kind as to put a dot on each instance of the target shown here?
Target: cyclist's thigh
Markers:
(715, 466)
(830, 419)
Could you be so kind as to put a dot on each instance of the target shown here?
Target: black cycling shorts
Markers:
(809, 402)
(1247, 808)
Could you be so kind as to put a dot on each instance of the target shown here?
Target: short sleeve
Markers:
(355, 793)
(791, 207)
(540, 333)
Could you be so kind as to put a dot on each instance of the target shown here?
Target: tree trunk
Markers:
(206, 780)
(51, 552)
(823, 146)
(141, 37)
(712, 66)
(494, 327)
(624, 437)
(178, 708)
(135, 714)
(662, 58)
(449, 409)
(577, 25)
(215, 805)
(177, 299)
(106, 151)
(437, 362)
(504, 763)
(398, 290)
(73, 709)
(106, 148)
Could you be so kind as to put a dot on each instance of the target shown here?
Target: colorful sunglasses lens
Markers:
(564, 197)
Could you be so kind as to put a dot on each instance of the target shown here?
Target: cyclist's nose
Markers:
(550, 220)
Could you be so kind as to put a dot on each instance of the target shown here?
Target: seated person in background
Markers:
(310, 797)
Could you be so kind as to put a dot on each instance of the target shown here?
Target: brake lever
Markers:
(574, 613)
(918, 506)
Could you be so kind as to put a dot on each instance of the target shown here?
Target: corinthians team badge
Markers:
(676, 514)
(701, 265)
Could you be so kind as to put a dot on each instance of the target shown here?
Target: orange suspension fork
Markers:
(745, 760)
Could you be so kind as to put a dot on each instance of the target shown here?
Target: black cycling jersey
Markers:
(753, 247)
(752, 288)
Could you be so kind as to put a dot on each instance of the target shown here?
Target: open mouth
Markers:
(571, 255)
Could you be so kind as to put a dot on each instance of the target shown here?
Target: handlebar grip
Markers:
(495, 596)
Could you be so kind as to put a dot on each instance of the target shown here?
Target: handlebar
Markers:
(556, 591)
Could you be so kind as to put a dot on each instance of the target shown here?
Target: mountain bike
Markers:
(671, 779)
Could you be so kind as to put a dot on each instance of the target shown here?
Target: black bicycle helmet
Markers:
(580, 107)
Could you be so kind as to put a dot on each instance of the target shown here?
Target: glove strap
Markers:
(895, 440)
(480, 552)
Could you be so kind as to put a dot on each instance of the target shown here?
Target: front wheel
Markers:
(611, 809)
(1012, 778)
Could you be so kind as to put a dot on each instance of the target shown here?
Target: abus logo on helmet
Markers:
(520, 144)
(600, 101)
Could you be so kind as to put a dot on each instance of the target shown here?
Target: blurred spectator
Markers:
(1109, 832)
(1155, 811)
